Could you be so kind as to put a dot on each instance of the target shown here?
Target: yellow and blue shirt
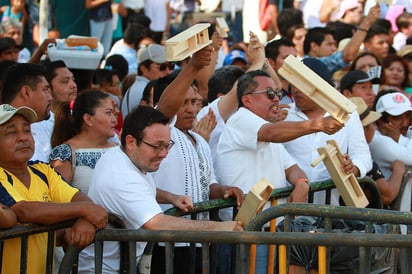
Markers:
(46, 185)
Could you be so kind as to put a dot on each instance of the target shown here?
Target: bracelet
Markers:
(362, 29)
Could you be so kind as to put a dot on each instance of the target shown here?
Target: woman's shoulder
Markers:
(61, 152)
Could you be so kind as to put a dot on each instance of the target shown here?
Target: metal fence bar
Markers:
(98, 256)
(205, 259)
(50, 253)
(132, 257)
(169, 256)
(23, 254)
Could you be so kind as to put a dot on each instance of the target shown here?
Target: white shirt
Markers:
(217, 131)
(157, 12)
(385, 150)
(187, 169)
(128, 53)
(399, 41)
(120, 187)
(232, 5)
(133, 95)
(42, 132)
(133, 4)
(350, 138)
(242, 160)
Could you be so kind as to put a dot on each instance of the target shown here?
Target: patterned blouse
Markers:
(86, 159)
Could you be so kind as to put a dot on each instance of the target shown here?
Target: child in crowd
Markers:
(15, 10)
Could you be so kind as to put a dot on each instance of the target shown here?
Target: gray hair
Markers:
(10, 23)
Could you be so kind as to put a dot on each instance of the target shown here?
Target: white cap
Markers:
(393, 103)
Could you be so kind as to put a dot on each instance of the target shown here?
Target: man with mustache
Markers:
(249, 148)
(39, 88)
(37, 194)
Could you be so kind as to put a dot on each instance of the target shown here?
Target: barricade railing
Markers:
(24, 232)
(212, 206)
(253, 235)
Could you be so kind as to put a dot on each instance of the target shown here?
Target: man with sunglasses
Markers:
(249, 148)
(152, 66)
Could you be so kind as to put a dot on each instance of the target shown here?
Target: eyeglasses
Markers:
(270, 92)
(166, 65)
(159, 148)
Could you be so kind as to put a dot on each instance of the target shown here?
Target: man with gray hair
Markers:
(14, 29)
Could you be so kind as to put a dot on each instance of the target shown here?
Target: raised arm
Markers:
(204, 74)
(256, 57)
(173, 96)
(352, 48)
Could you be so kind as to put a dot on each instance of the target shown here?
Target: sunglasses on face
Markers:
(270, 92)
(166, 65)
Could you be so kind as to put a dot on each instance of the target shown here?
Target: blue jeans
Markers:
(103, 31)
(235, 26)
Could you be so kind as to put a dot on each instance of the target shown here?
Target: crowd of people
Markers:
(140, 134)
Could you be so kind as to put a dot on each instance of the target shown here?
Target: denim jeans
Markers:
(103, 31)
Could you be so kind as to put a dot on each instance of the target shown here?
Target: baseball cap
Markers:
(366, 115)
(234, 55)
(319, 68)
(393, 103)
(347, 5)
(406, 50)
(356, 77)
(154, 52)
(7, 112)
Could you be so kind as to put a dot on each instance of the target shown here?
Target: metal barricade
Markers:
(254, 236)
(156, 236)
(24, 232)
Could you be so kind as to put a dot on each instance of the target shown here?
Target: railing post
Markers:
(169, 257)
(242, 259)
(98, 256)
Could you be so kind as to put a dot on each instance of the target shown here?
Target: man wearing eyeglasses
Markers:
(188, 170)
(152, 66)
(249, 149)
(122, 183)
